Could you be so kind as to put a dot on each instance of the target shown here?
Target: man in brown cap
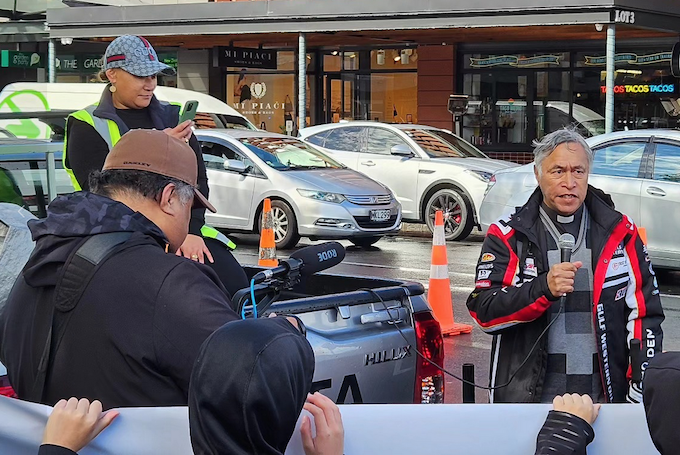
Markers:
(101, 309)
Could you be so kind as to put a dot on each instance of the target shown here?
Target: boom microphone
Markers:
(320, 257)
(308, 260)
(566, 244)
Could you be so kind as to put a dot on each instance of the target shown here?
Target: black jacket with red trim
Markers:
(511, 297)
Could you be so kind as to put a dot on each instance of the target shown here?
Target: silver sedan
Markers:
(312, 195)
(640, 169)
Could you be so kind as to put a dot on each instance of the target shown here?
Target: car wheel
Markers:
(457, 210)
(365, 242)
(285, 225)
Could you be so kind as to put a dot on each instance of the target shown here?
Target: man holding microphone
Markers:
(564, 285)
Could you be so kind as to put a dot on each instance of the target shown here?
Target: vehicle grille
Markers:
(366, 223)
(370, 200)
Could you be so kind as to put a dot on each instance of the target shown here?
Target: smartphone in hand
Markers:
(189, 111)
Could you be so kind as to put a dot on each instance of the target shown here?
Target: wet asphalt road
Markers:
(408, 258)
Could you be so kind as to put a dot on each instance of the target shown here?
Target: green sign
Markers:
(16, 59)
(79, 63)
(168, 59)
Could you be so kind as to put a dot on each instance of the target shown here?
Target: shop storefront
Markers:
(517, 97)
(357, 84)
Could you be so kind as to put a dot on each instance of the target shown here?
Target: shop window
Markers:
(551, 102)
(265, 99)
(667, 163)
(348, 139)
(622, 160)
(332, 61)
(517, 60)
(394, 59)
(394, 97)
(381, 141)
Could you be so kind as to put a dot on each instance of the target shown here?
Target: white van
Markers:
(24, 97)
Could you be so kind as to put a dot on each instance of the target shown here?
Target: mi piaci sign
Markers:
(242, 57)
(16, 59)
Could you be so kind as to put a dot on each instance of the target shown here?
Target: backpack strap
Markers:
(76, 274)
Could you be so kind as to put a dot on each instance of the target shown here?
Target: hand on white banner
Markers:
(330, 433)
(74, 423)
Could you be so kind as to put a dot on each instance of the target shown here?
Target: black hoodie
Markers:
(248, 387)
(136, 331)
(661, 397)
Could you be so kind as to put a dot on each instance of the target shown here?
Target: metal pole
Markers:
(468, 388)
(51, 177)
(609, 99)
(302, 81)
(51, 62)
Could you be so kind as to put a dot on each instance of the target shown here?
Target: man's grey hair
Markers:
(550, 142)
(141, 183)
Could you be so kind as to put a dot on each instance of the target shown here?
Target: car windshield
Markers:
(442, 144)
(288, 154)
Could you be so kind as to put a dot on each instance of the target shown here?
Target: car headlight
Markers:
(322, 196)
(481, 175)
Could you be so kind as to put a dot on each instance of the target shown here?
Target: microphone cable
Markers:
(439, 367)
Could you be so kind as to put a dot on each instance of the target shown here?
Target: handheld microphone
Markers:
(309, 260)
(566, 244)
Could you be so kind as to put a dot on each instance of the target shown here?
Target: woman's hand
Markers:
(330, 434)
(194, 248)
(183, 131)
(74, 423)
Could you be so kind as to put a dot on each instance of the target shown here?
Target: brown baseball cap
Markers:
(157, 152)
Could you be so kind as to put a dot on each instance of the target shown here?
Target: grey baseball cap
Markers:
(135, 55)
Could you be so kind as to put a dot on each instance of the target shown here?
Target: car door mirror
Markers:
(235, 166)
(401, 150)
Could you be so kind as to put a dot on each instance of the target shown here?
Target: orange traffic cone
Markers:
(642, 232)
(267, 244)
(439, 295)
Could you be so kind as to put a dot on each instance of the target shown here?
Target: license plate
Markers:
(380, 215)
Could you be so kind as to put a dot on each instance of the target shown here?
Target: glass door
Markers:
(340, 93)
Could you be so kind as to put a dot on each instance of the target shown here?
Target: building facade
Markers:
(526, 70)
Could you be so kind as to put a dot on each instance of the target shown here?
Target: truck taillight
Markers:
(429, 378)
(6, 390)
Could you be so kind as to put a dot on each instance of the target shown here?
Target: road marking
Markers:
(405, 269)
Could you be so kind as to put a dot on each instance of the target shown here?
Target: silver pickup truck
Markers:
(366, 343)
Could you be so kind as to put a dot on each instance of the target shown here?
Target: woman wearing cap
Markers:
(131, 66)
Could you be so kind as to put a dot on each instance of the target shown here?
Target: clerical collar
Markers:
(571, 223)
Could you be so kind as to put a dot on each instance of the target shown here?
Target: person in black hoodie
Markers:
(661, 398)
(133, 335)
(248, 387)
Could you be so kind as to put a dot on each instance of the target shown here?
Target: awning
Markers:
(317, 16)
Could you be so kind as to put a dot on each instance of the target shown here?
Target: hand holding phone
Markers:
(189, 111)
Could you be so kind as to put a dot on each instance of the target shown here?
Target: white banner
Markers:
(470, 429)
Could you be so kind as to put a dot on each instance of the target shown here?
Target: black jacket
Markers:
(49, 449)
(136, 331)
(564, 434)
(86, 149)
(248, 387)
(511, 303)
(661, 397)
